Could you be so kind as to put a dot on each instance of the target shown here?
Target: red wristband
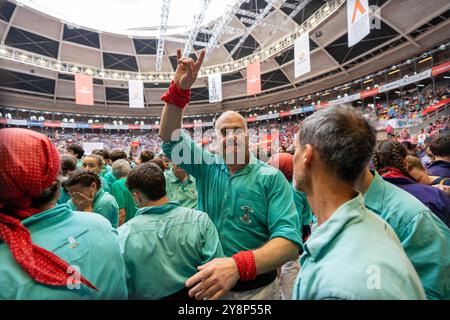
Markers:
(177, 96)
(245, 261)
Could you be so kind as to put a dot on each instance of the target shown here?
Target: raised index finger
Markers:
(178, 54)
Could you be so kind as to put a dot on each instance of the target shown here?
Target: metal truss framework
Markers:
(25, 57)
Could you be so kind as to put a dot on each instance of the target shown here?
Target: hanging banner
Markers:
(84, 90)
(302, 55)
(358, 23)
(253, 78)
(136, 93)
(215, 87)
(440, 68)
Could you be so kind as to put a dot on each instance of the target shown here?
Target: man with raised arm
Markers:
(250, 202)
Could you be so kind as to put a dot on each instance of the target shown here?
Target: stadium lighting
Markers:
(256, 22)
(193, 32)
(14, 54)
(165, 9)
(424, 60)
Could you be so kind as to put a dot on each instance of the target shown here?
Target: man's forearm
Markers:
(170, 121)
(274, 254)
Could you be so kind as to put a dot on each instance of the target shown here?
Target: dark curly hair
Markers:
(83, 178)
(391, 153)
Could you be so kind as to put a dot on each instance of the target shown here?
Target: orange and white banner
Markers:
(253, 78)
(302, 56)
(136, 93)
(84, 89)
(440, 68)
(358, 22)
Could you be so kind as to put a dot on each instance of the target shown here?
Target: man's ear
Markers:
(308, 155)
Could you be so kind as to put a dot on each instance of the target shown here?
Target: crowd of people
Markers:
(410, 105)
(331, 215)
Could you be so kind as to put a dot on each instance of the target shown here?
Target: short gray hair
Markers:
(343, 138)
(121, 168)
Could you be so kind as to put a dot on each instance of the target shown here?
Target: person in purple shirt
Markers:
(440, 147)
(390, 161)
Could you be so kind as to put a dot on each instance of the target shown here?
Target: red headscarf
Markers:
(30, 164)
(284, 162)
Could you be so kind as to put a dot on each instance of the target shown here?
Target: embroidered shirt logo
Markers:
(73, 243)
(246, 218)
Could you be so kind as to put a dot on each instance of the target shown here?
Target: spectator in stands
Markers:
(181, 187)
(39, 242)
(68, 164)
(390, 131)
(250, 202)
(86, 193)
(127, 208)
(440, 147)
(333, 149)
(390, 161)
(165, 243)
(77, 151)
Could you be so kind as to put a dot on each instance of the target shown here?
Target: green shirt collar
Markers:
(375, 194)
(99, 194)
(349, 212)
(45, 218)
(158, 209)
(247, 169)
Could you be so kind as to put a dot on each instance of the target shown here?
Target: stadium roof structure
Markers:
(50, 50)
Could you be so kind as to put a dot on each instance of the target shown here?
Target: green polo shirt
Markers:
(105, 170)
(79, 163)
(85, 242)
(424, 237)
(355, 255)
(249, 208)
(183, 192)
(124, 198)
(108, 180)
(163, 246)
(105, 205)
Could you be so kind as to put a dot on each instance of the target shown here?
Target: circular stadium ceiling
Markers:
(143, 17)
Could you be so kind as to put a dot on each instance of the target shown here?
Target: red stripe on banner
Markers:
(284, 114)
(84, 89)
(97, 126)
(369, 93)
(322, 105)
(198, 125)
(253, 78)
(440, 68)
(251, 119)
(436, 106)
(3, 121)
(52, 124)
(134, 127)
(188, 125)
